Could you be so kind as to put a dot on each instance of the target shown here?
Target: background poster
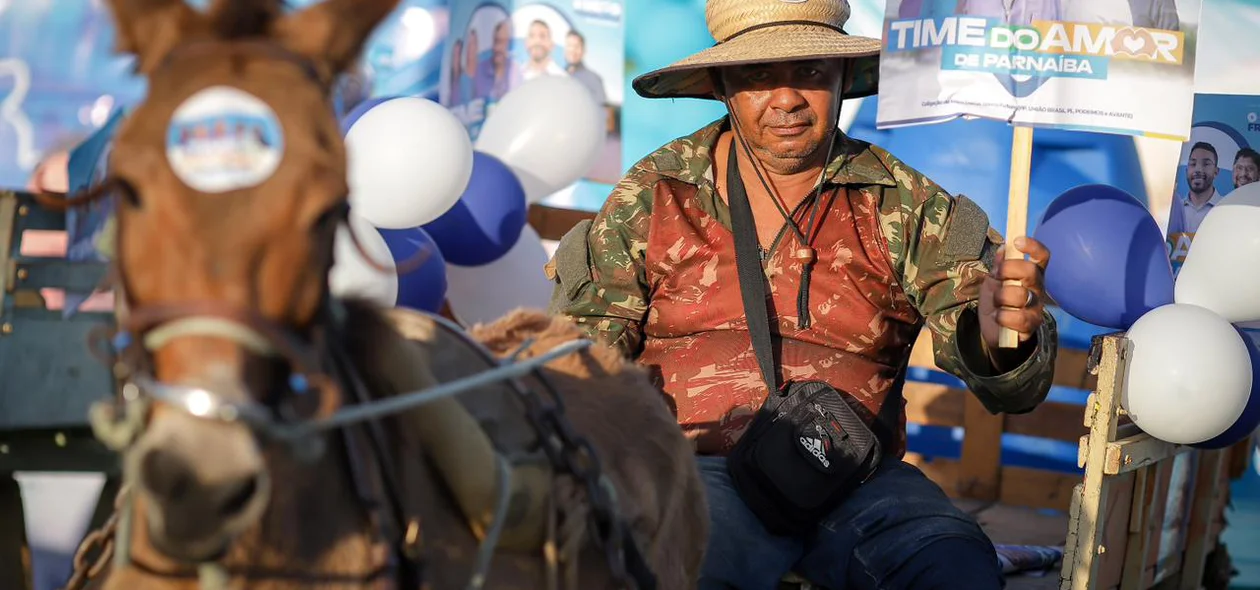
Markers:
(496, 45)
(1079, 64)
(1219, 157)
(1226, 128)
(60, 79)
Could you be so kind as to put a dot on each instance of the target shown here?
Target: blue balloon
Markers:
(1250, 418)
(424, 288)
(1108, 264)
(487, 220)
(358, 111)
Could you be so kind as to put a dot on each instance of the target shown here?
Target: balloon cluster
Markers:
(1193, 374)
(418, 183)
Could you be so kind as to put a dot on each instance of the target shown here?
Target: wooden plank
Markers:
(1036, 488)
(1114, 534)
(8, 211)
(552, 223)
(1159, 508)
(1182, 471)
(1014, 525)
(1030, 488)
(922, 354)
(1140, 530)
(1103, 417)
(1053, 420)
(1240, 457)
(1207, 498)
(1072, 544)
(1139, 450)
(934, 405)
(981, 469)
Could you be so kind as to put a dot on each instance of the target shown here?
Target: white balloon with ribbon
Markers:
(1220, 270)
(482, 294)
(1189, 374)
(409, 161)
(549, 130)
(354, 276)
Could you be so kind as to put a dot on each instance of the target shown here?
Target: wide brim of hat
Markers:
(690, 77)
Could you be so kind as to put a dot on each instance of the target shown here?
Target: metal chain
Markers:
(101, 539)
(573, 453)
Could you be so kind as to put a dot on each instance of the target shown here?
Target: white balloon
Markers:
(482, 294)
(1189, 374)
(409, 162)
(352, 275)
(549, 130)
(1219, 270)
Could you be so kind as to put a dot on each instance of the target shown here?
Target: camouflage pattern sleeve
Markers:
(944, 248)
(599, 270)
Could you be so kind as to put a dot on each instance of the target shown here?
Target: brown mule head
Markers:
(233, 177)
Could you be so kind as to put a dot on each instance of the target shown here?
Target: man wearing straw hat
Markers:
(851, 252)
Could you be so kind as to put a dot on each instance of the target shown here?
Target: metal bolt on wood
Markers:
(6, 328)
(23, 210)
(22, 273)
(1101, 549)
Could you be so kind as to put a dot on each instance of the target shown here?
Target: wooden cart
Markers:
(1144, 514)
(48, 378)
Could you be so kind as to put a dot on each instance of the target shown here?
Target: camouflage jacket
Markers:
(654, 275)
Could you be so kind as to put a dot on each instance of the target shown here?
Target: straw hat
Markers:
(767, 31)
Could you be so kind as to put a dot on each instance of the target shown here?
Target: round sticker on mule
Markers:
(222, 139)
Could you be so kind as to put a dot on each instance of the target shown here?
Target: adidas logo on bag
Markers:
(815, 448)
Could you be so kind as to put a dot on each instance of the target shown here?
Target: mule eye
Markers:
(333, 216)
(127, 192)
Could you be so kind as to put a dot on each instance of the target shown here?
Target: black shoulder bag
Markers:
(807, 448)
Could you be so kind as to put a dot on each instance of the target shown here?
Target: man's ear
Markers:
(332, 33)
(150, 29)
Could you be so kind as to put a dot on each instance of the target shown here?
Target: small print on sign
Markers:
(222, 139)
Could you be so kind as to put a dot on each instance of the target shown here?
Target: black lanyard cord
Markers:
(806, 255)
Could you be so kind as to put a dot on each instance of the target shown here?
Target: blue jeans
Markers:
(898, 531)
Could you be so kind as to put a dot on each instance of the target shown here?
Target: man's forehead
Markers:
(1202, 153)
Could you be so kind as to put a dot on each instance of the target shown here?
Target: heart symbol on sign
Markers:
(1133, 42)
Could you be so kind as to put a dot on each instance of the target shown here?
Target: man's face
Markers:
(502, 36)
(1246, 171)
(785, 110)
(538, 42)
(573, 50)
(1201, 170)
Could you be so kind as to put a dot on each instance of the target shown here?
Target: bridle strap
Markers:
(159, 324)
(210, 326)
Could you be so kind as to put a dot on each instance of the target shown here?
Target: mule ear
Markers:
(333, 32)
(150, 29)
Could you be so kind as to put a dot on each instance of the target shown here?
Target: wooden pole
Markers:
(1017, 211)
